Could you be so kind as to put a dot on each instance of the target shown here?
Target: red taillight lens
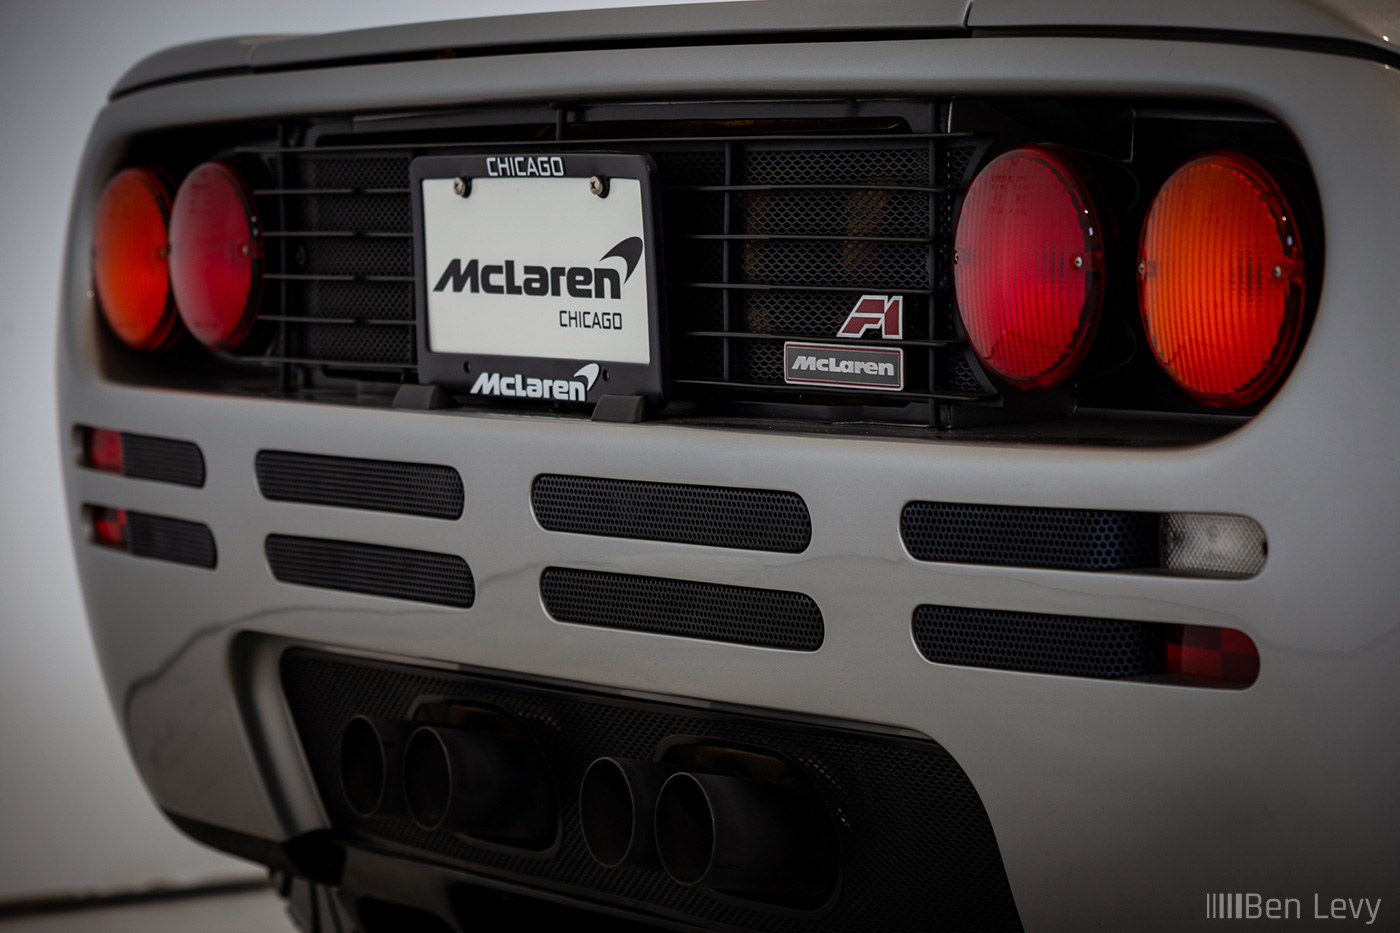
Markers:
(1223, 655)
(1029, 267)
(109, 527)
(1222, 279)
(102, 449)
(216, 256)
(129, 265)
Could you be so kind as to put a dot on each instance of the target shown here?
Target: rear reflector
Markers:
(1221, 279)
(1212, 655)
(1029, 267)
(130, 246)
(109, 526)
(102, 449)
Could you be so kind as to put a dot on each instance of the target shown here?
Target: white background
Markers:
(73, 816)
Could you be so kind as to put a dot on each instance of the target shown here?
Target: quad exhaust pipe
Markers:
(733, 834)
(489, 784)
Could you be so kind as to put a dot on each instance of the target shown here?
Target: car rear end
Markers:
(918, 552)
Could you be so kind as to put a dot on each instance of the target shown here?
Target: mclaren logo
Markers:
(517, 386)
(511, 277)
(848, 365)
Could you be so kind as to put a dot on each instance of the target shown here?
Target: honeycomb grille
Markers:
(713, 516)
(739, 614)
(1040, 644)
(377, 485)
(918, 852)
(173, 539)
(162, 460)
(371, 569)
(1062, 539)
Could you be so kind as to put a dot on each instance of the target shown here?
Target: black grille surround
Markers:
(371, 570)
(1035, 643)
(712, 516)
(917, 850)
(425, 489)
(710, 611)
(1020, 536)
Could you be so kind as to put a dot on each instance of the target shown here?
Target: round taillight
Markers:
(131, 274)
(1221, 279)
(216, 256)
(1029, 267)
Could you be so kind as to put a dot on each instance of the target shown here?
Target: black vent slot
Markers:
(372, 569)
(1040, 644)
(714, 516)
(918, 852)
(1016, 536)
(709, 611)
(173, 539)
(429, 490)
(162, 460)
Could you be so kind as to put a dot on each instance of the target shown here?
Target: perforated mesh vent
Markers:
(1041, 644)
(739, 614)
(882, 166)
(715, 516)
(379, 485)
(174, 539)
(162, 459)
(371, 569)
(1064, 539)
(917, 850)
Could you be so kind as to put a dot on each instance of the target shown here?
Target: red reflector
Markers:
(1220, 654)
(216, 256)
(129, 266)
(109, 526)
(1029, 267)
(1221, 279)
(102, 449)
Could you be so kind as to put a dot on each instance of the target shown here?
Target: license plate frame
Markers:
(551, 376)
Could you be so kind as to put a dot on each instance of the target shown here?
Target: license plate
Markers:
(538, 275)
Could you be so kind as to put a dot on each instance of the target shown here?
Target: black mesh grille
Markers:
(399, 573)
(162, 459)
(918, 853)
(739, 614)
(799, 229)
(1063, 539)
(378, 485)
(753, 519)
(172, 539)
(1040, 644)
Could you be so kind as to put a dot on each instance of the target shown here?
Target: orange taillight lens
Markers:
(1222, 279)
(130, 247)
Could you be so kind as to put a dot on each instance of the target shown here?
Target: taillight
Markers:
(1222, 279)
(1029, 267)
(216, 256)
(130, 247)
(102, 449)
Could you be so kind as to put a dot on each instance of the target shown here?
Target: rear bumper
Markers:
(1120, 804)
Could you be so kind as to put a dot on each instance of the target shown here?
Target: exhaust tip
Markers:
(685, 829)
(427, 772)
(607, 812)
(365, 778)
